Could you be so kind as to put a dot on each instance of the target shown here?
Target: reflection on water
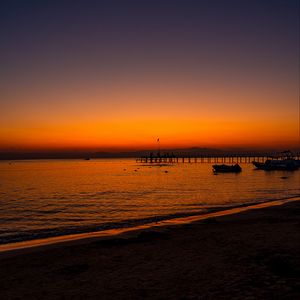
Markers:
(58, 196)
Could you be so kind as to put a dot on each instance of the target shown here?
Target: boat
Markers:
(227, 168)
(277, 164)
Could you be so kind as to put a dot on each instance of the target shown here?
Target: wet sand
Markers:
(250, 255)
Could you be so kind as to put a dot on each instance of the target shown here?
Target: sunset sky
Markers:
(119, 74)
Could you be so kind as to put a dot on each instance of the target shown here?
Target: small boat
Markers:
(227, 168)
(277, 164)
(87, 158)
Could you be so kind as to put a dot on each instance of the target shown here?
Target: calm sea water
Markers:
(52, 197)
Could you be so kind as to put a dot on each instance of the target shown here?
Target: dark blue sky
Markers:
(91, 34)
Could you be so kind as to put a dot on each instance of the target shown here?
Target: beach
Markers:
(149, 150)
(249, 255)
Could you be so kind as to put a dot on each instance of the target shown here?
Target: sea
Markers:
(45, 198)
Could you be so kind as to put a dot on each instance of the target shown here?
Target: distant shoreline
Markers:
(81, 154)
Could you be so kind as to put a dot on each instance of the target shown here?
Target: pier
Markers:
(232, 158)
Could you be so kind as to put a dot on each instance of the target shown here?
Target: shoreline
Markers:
(15, 248)
(253, 254)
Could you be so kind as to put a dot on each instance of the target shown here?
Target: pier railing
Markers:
(232, 158)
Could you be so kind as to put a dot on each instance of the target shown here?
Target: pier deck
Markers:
(233, 158)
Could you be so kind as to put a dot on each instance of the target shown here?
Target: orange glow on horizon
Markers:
(142, 134)
(131, 118)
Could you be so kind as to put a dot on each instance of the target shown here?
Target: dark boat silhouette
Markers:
(277, 164)
(282, 161)
(227, 168)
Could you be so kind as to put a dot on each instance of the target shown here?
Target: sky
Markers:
(117, 75)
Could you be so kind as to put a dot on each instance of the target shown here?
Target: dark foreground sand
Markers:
(251, 255)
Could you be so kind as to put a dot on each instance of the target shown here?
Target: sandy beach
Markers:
(249, 255)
